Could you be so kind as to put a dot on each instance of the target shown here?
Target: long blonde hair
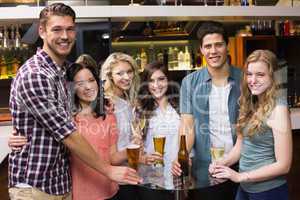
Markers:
(253, 113)
(106, 75)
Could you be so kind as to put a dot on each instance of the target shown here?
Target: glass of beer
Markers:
(159, 146)
(217, 150)
(133, 154)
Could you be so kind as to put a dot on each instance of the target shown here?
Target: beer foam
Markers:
(133, 146)
(159, 136)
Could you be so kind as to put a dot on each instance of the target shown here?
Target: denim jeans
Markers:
(279, 193)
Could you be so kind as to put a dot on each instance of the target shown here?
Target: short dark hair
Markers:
(58, 9)
(211, 27)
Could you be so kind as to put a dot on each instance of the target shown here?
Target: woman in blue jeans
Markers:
(264, 141)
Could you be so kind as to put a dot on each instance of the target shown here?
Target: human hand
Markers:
(223, 172)
(150, 159)
(176, 168)
(123, 174)
(212, 166)
(16, 142)
(137, 139)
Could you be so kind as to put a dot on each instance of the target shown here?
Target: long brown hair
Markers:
(146, 103)
(253, 113)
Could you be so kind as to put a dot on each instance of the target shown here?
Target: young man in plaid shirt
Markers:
(40, 111)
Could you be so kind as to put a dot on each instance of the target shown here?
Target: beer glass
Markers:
(133, 153)
(217, 150)
(159, 146)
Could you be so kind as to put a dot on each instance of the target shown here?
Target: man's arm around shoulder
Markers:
(81, 148)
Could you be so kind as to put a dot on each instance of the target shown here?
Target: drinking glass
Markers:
(133, 154)
(217, 150)
(159, 146)
(138, 124)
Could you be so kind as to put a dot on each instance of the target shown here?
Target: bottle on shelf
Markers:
(1, 39)
(138, 60)
(171, 58)
(175, 58)
(180, 60)
(151, 53)
(12, 37)
(286, 28)
(5, 38)
(183, 157)
(15, 66)
(17, 38)
(144, 59)
(187, 58)
(160, 56)
(3, 68)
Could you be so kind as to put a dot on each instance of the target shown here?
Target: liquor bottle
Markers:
(3, 68)
(5, 39)
(180, 59)
(175, 57)
(160, 56)
(183, 157)
(1, 39)
(151, 54)
(15, 66)
(144, 59)
(18, 38)
(12, 37)
(171, 58)
(187, 58)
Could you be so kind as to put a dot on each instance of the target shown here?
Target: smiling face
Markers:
(214, 49)
(58, 35)
(258, 77)
(122, 76)
(85, 86)
(158, 84)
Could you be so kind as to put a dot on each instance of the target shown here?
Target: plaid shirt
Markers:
(40, 111)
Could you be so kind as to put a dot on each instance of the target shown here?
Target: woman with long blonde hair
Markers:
(112, 71)
(119, 73)
(264, 141)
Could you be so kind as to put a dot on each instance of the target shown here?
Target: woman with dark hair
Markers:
(100, 131)
(158, 102)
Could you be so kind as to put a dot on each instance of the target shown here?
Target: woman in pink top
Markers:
(100, 131)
